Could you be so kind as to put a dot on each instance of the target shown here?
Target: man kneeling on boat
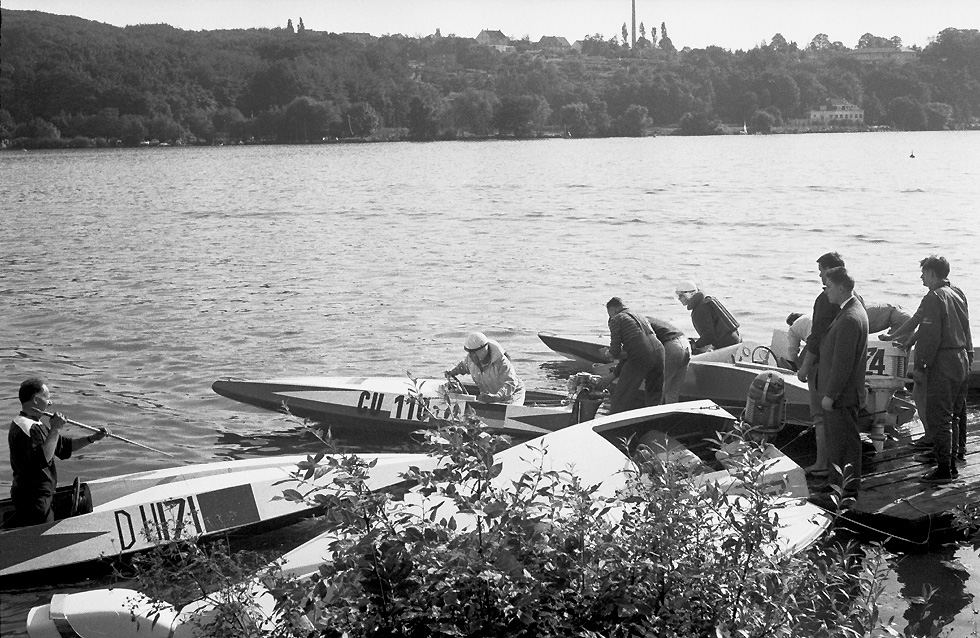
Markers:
(491, 370)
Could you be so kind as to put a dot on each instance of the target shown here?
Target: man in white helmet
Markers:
(716, 327)
(491, 369)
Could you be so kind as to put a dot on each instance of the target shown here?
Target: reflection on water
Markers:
(955, 603)
(315, 438)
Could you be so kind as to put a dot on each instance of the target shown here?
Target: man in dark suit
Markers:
(840, 385)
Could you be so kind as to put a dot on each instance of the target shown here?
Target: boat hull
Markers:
(582, 349)
(139, 511)
(387, 405)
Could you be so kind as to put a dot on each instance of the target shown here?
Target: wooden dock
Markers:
(894, 507)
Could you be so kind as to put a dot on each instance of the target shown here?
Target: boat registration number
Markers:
(186, 517)
(397, 406)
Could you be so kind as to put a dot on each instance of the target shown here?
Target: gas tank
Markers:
(765, 407)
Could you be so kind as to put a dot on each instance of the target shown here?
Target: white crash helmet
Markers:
(475, 341)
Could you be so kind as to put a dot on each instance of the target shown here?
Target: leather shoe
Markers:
(926, 457)
(921, 443)
(939, 476)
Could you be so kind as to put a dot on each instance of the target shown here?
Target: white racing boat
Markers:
(591, 451)
(387, 404)
(118, 516)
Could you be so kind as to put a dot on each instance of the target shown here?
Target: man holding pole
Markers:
(33, 448)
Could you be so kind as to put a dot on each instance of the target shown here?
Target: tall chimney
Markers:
(634, 24)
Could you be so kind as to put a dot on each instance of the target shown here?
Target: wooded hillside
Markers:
(83, 82)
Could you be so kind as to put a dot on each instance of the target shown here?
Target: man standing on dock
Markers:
(841, 384)
(943, 353)
(823, 315)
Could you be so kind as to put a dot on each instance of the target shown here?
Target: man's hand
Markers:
(486, 398)
(606, 380)
(101, 434)
(918, 376)
(827, 404)
(801, 374)
(58, 421)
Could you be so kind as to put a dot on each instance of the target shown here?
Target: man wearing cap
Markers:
(716, 327)
(491, 369)
(634, 342)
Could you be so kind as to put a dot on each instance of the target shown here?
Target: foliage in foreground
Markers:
(549, 556)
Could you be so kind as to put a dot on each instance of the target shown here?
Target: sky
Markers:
(730, 24)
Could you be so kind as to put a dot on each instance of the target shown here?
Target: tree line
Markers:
(65, 81)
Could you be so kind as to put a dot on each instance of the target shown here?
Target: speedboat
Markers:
(397, 404)
(723, 376)
(597, 453)
(110, 518)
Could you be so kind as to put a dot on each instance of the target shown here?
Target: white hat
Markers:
(686, 286)
(475, 341)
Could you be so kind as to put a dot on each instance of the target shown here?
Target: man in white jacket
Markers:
(491, 369)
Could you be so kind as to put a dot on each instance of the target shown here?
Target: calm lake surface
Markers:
(132, 279)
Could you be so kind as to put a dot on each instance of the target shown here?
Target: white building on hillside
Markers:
(837, 113)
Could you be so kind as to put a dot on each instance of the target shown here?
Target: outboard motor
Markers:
(585, 395)
(765, 407)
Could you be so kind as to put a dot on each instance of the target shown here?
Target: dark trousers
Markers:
(959, 420)
(945, 379)
(843, 449)
(31, 508)
(626, 395)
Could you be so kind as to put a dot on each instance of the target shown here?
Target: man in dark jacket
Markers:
(34, 446)
(632, 340)
(943, 353)
(841, 384)
(821, 318)
(716, 327)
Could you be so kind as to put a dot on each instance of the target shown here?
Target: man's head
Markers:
(614, 305)
(685, 290)
(827, 261)
(793, 316)
(477, 346)
(935, 270)
(34, 393)
(839, 284)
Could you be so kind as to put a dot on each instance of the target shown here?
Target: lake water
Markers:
(132, 279)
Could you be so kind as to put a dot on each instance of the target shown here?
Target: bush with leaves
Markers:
(467, 554)
(545, 555)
